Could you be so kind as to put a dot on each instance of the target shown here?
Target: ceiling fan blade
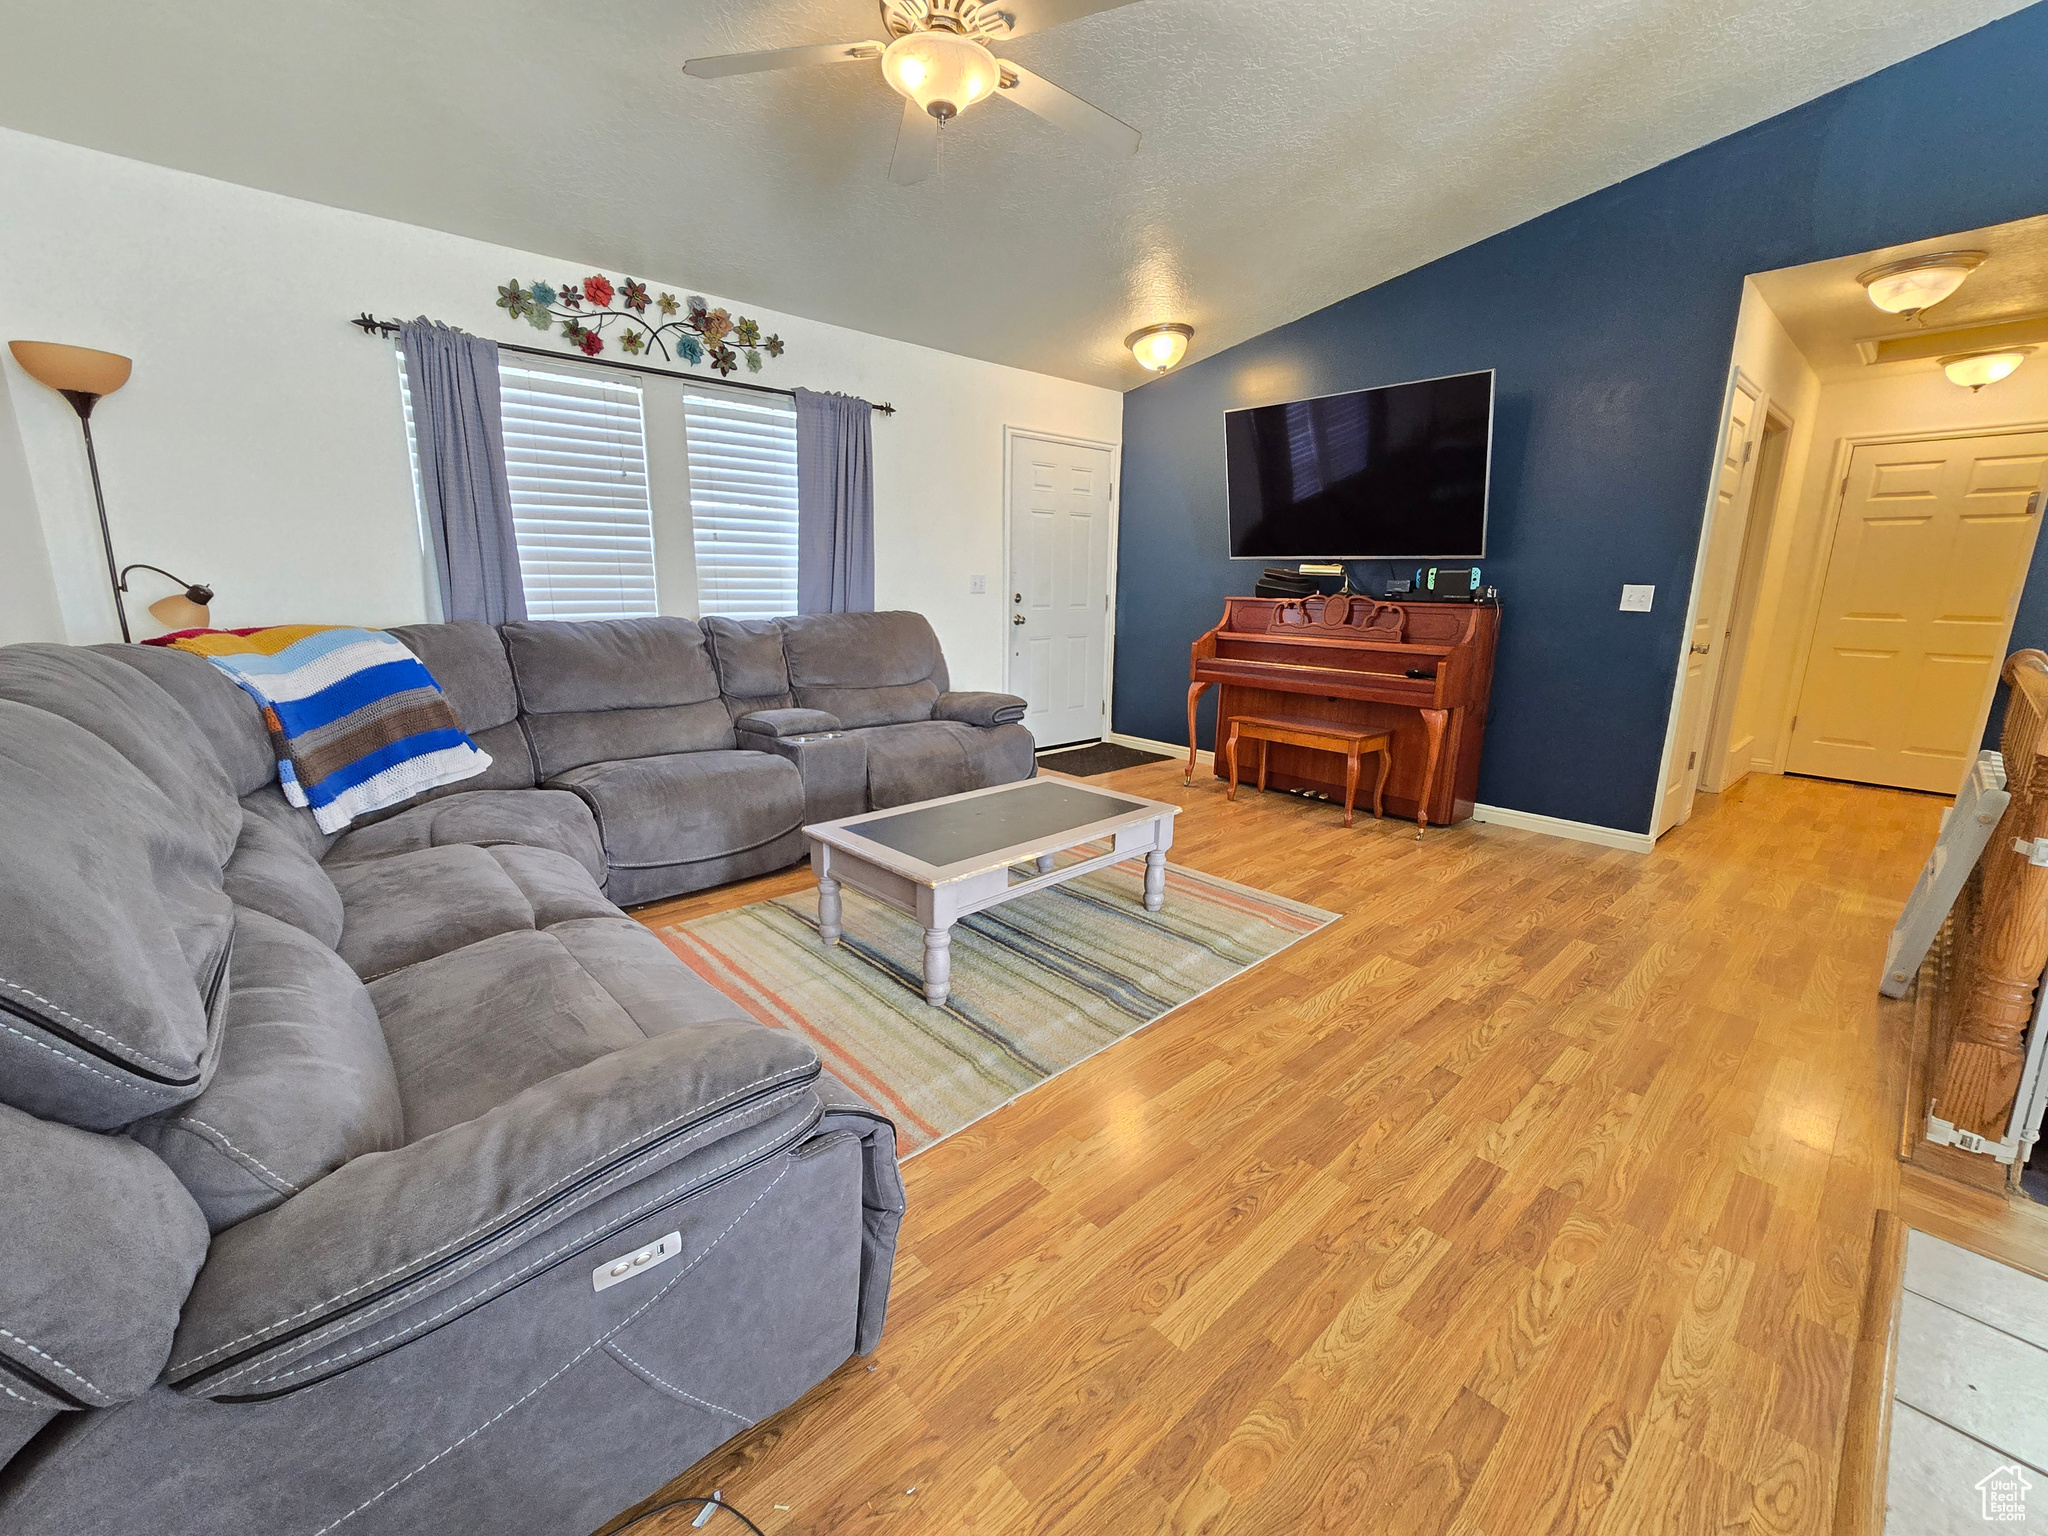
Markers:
(917, 145)
(782, 58)
(1037, 15)
(1063, 109)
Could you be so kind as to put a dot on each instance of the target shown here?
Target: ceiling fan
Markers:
(940, 60)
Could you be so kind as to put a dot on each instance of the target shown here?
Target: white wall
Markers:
(28, 610)
(1898, 399)
(260, 448)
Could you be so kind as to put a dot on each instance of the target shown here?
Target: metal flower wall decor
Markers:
(688, 330)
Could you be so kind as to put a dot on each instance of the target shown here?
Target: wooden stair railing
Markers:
(2002, 941)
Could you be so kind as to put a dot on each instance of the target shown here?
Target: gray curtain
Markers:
(835, 504)
(458, 427)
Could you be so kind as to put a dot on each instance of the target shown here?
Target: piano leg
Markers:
(1433, 721)
(1195, 692)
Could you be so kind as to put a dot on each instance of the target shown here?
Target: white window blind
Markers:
(576, 460)
(743, 502)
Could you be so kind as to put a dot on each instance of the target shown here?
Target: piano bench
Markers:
(1321, 736)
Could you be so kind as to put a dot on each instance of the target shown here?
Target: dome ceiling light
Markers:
(1973, 370)
(1159, 347)
(1912, 286)
(941, 61)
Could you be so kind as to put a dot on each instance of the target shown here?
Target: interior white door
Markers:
(1713, 591)
(1059, 585)
(1930, 551)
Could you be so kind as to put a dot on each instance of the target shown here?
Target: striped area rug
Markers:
(1039, 983)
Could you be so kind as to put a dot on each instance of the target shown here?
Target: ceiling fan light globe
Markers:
(941, 72)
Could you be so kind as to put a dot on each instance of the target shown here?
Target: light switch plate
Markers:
(977, 586)
(1637, 599)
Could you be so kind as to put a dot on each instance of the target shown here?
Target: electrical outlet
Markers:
(977, 586)
(1637, 599)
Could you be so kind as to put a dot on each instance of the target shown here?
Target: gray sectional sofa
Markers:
(397, 1181)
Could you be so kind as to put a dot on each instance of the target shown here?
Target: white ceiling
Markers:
(1825, 311)
(1294, 153)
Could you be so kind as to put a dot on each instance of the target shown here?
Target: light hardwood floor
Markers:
(1534, 1196)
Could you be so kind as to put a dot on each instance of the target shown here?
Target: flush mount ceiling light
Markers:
(941, 62)
(1973, 370)
(1918, 282)
(1159, 347)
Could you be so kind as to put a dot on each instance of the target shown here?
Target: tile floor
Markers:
(1970, 1420)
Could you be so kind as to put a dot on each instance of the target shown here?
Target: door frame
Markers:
(1011, 433)
(1824, 553)
(1674, 710)
(1758, 517)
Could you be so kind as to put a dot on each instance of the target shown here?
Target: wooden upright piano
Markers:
(1422, 671)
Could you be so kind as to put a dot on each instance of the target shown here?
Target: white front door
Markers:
(1059, 585)
(1930, 551)
(1713, 591)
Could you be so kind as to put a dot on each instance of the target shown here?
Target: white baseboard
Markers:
(1557, 826)
(1525, 821)
(1165, 748)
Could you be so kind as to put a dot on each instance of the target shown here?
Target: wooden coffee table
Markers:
(941, 860)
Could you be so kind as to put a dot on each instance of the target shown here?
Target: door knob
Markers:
(1016, 618)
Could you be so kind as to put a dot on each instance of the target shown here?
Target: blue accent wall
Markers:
(1610, 321)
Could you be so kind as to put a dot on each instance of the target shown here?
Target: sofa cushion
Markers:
(413, 906)
(275, 873)
(468, 660)
(534, 818)
(114, 933)
(751, 672)
(655, 811)
(907, 763)
(102, 1245)
(472, 1028)
(866, 668)
(615, 688)
(228, 718)
(136, 719)
(304, 1084)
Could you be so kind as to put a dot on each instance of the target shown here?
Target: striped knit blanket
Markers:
(357, 722)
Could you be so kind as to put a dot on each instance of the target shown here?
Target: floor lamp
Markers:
(82, 376)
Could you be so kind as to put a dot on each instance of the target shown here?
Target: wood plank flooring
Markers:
(1534, 1196)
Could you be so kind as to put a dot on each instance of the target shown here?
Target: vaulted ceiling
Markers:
(1294, 152)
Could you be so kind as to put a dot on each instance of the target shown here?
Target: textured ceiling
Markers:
(1293, 153)
(1824, 310)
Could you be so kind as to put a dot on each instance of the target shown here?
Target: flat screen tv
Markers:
(1392, 473)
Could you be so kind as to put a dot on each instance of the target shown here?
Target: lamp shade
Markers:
(78, 369)
(179, 611)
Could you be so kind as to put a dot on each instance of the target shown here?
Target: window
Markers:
(576, 461)
(743, 502)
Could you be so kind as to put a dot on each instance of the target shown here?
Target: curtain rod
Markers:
(370, 325)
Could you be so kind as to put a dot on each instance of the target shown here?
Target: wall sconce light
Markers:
(1918, 283)
(181, 610)
(1159, 347)
(1973, 370)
